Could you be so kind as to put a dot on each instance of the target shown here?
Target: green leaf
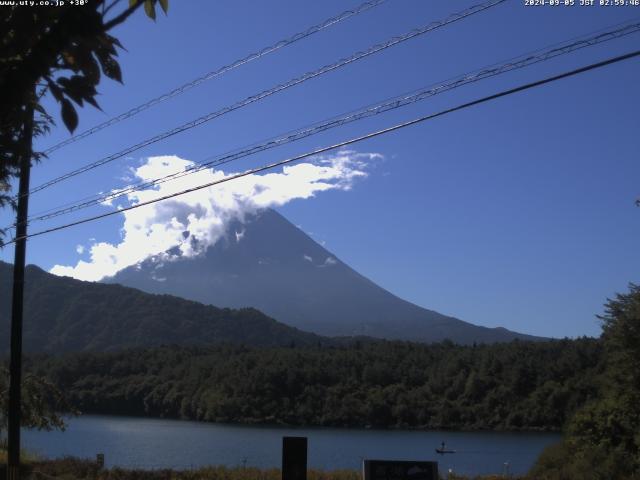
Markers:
(92, 101)
(39, 108)
(70, 90)
(79, 88)
(165, 6)
(55, 90)
(69, 115)
(106, 45)
(115, 41)
(111, 68)
(150, 9)
(86, 63)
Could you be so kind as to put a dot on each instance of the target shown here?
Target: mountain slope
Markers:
(63, 314)
(269, 264)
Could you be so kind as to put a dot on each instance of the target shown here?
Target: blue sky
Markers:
(517, 213)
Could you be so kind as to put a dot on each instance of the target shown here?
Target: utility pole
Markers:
(15, 366)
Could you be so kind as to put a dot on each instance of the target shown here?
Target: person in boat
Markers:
(443, 449)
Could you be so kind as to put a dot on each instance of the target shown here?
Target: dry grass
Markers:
(71, 468)
(27, 457)
(75, 469)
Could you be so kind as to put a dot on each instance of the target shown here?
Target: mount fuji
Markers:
(269, 264)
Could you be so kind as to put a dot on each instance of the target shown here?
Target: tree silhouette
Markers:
(61, 50)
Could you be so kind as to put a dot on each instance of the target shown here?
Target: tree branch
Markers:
(108, 8)
(122, 17)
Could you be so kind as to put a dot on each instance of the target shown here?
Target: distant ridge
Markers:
(268, 263)
(66, 315)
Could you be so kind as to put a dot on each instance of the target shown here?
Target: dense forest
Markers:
(519, 385)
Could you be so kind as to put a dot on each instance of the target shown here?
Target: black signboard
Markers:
(399, 470)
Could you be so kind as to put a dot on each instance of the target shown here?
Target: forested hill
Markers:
(63, 315)
(520, 385)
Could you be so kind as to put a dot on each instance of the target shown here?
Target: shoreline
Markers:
(258, 423)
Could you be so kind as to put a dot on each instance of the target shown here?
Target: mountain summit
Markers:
(269, 264)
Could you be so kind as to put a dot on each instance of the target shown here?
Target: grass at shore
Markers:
(27, 457)
(77, 469)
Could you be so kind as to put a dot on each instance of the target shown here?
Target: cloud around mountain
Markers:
(197, 220)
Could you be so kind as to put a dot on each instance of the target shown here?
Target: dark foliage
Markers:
(520, 385)
(43, 405)
(602, 439)
(61, 50)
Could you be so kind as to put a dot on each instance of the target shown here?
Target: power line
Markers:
(318, 151)
(215, 73)
(516, 63)
(278, 88)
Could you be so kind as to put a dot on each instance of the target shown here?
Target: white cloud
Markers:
(80, 249)
(239, 236)
(192, 222)
(308, 258)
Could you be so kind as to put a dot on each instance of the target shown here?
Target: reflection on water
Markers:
(153, 443)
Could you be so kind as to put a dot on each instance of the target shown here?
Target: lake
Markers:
(155, 443)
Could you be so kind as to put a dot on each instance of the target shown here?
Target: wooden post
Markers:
(15, 366)
(294, 458)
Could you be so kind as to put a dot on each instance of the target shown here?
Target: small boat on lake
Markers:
(443, 449)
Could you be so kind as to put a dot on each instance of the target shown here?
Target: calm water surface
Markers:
(152, 443)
